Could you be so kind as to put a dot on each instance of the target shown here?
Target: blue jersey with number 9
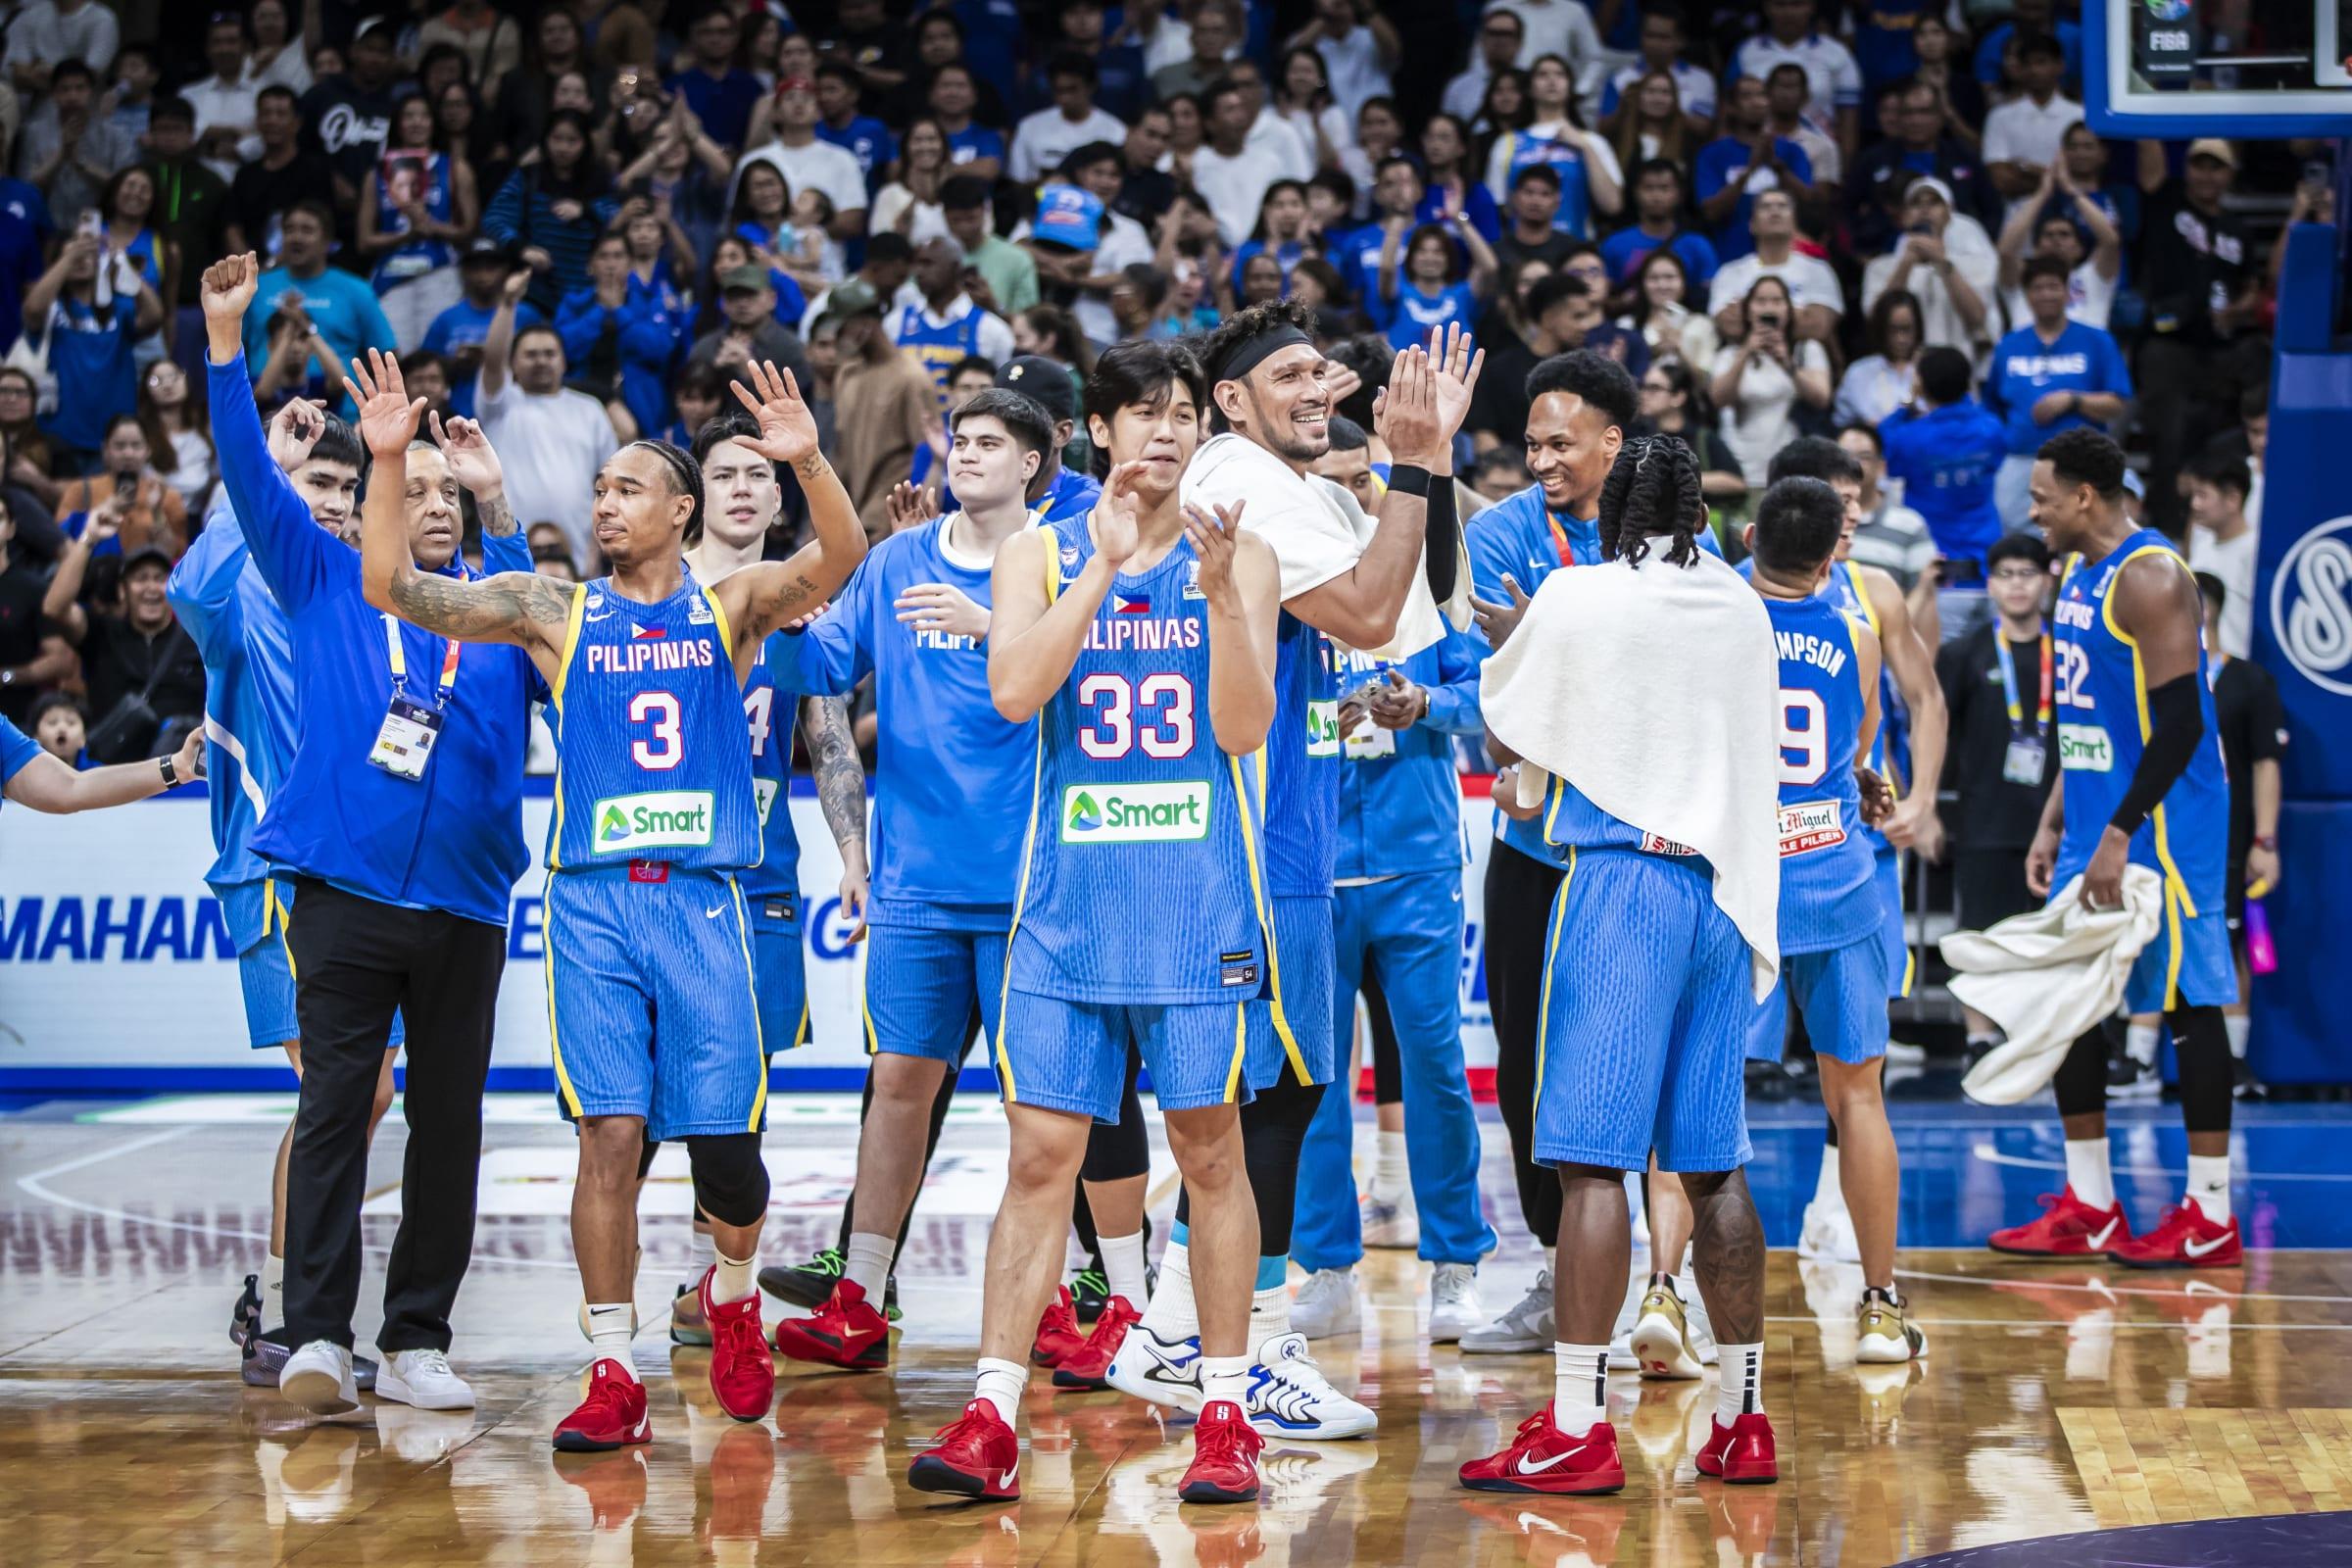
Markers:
(1826, 862)
(651, 760)
(1142, 878)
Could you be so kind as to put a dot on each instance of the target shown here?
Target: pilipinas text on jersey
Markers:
(1826, 862)
(1141, 880)
(651, 757)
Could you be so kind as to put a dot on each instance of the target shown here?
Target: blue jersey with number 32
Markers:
(1142, 878)
(1825, 862)
(651, 757)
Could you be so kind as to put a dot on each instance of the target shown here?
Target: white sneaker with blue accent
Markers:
(1289, 1396)
(1162, 1371)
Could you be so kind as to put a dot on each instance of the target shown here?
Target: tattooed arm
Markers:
(763, 598)
(841, 790)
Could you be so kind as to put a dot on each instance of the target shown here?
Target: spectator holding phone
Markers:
(1763, 376)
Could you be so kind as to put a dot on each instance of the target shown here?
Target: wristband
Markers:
(1410, 479)
(2266, 840)
(171, 773)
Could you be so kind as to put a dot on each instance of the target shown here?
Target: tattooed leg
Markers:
(1596, 1253)
(1728, 1247)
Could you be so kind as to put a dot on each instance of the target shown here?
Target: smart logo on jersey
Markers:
(655, 819)
(2086, 749)
(1323, 727)
(1135, 814)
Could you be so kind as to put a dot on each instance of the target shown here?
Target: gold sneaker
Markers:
(1884, 1331)
(1661, 1340)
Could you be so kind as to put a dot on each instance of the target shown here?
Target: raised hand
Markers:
(1453, 366)
(471, 460)
(787, 428)
(517, 285)
(1213, 537)
(942, 606)
(1405, 413)
(1340, 383)
(910, 506)
(228, 285)
(387, 414)
(293, 430)
(1498, 621)
(1119, 515)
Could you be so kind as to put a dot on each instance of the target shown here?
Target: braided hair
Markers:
(685, 480)
(1652, 489)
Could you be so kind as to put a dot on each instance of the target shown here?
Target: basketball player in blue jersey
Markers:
(1348, 579)
(654, 815)
(950, 780)
(1142, 643)
(742, 499)
(1834, 962)
(1909, 748)
(2141, 784)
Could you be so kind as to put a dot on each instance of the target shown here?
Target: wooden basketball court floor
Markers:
(2086, 1415)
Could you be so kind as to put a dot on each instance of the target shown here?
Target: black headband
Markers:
(1250, 353)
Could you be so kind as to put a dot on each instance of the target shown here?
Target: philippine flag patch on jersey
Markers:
(1130, 605)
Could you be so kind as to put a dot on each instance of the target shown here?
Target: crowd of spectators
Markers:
(576, 218)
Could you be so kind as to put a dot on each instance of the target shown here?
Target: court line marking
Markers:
(1993, 1157)
(2102, 1289)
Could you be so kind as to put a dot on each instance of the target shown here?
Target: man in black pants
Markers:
(399, 834)
(2141, 789)
(1578, 407)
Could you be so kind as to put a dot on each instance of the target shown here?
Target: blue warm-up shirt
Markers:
(1946, 458)
(2025, 369)
(452, 840)
(1400, 801)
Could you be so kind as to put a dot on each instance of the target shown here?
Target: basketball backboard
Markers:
(2172, 70)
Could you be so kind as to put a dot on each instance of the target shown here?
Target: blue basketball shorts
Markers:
(1842, 995)
(922, 985)
(780, 967)
(1888, 884)
(2188, 960)
(1300, 1040)
(650, 1005)
(265, 968)
(1647, 1000)
(1072, 1055)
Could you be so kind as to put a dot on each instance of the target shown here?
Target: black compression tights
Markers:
(1273, 1129)
(2200, 1044)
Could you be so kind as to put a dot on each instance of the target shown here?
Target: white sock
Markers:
(1579, 1387)
(2139, 1043)
(731, 1278)
(1224, 1376)
(1392, 1174)
(1550, 1258)
(608, 1331)
(1000, 1385)
(1824, 1186)
(2239, 1025)
(2088, 1173)
(868, 1266)
(273, 1293)
(2209, 1185)
(1123, 1266)
(1269, 1314)
(1742, 1389)
(1172, 1314)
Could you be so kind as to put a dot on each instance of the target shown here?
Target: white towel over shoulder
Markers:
(1317, 531)
(2048, 976)
(1653, 691)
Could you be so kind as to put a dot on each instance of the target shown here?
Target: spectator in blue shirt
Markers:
(551, 211)
(25, 229)
(1744, 160)
(1120, 84)
(89, 344)
(720, 95)
(1945, 449)
(2049, 375)
(620, 342)
(1658, 196)
(2028, 17)
(457, 333)
(973, 148)
(862, 136)
(1432, 291)
(340, 306)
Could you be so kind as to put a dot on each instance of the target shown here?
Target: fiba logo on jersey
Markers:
(2311, 605)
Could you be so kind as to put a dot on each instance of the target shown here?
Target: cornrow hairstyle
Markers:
(1652, 489)
(685, 480)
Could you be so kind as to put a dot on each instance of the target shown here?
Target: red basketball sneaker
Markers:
(612, 1415)
(742, 1373)
(974, 1455)
(1742, 1453)
(845, 1331)
(2183, 1239)
(2068, 1228)
(1057, 1332)
(1225, 1448)
(1544, 1458)
(1089, 1365)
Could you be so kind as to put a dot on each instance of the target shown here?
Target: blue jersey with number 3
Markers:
(1141, 880)
(1826, 862)
(651, 757)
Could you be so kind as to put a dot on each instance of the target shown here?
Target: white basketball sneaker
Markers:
(1162, 1371)
(1829, 1234)
(1291, 1398)
(1327, 1304)
(1454, 1308)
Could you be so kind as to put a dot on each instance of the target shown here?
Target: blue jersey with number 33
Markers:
(651, 757)
(1142, 879)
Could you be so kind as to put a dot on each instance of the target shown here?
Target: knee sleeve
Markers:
(1273, 1130)
(2080, 1083)
(2208, 1075)
(645, 1157)
(1123, 1150)
(730, 1184)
